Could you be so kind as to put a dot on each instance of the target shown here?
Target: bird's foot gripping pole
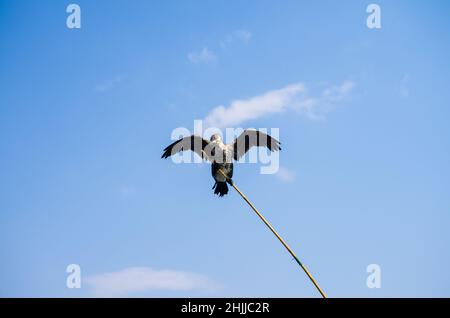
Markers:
(276, 234)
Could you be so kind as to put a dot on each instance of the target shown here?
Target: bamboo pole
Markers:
(277, 235)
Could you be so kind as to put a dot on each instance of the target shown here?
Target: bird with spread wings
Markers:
(221, 155)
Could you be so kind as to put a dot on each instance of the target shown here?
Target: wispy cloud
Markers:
(204, 56)
(285, 175)
(404, 89)
(243, 35)
(140, 279)
(293, 97)
(240, 35)
(108, 85)
(126, 191)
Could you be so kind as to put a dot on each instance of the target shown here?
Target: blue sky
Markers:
(85, 114)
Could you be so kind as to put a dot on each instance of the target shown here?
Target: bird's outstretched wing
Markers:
(250, 138)
(195, 143)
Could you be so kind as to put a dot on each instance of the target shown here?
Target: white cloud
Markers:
(139, 279)
(108, 85)
(204, 56)
(404, 90)
(338, 92)
(243, 110)
(127, 191)
(293, 96)
(285, 175)
(225, 42)
(243, 35)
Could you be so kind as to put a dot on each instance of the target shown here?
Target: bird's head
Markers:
(215, 137)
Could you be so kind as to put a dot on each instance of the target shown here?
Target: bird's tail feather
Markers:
(221, 188)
